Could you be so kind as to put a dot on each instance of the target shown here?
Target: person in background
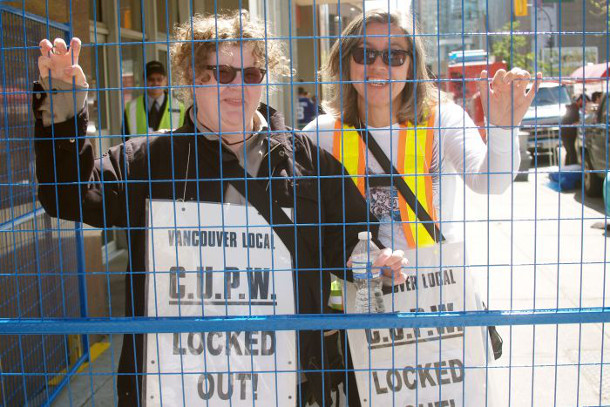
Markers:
(155, 110)
(306, 110)
(593, 105)
(569, 128)
(317, 105)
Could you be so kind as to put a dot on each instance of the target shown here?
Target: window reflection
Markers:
(167, 10)
(132, 70)
(95, 10)
(131, 15)
(97, 95)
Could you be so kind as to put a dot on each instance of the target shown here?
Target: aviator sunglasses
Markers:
(226, 74)
(391, 57)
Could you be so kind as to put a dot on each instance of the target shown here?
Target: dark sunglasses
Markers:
(226, 74)
(391, 57)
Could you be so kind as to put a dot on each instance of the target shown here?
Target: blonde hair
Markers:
(200, 37)
(419, 93)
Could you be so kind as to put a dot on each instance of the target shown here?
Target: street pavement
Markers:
(531, 248)
(543, 252)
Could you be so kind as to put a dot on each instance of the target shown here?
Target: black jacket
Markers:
(570, 120)
(329, 210)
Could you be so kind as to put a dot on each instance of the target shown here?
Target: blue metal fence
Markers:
(39, 267)
(544, 285)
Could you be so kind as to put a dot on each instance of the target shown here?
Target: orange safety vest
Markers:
(415, 147)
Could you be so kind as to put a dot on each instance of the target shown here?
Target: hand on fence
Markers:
(507, 98)
(61, 62)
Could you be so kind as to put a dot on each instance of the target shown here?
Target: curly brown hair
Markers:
(419, 93)
(200, 36)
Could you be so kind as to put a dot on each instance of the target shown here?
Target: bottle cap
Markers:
(364, 235)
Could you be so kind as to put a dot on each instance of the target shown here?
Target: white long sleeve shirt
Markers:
(463, 157)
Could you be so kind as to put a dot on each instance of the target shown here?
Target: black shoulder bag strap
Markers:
(260, 199)
(423, 216)
(402, 187)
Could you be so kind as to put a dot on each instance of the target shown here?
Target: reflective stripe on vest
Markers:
(348, 148)
(414, 160)
(415, 148)
(137, 119)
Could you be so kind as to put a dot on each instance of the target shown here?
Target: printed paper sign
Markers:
(427, 366)
(211, 260)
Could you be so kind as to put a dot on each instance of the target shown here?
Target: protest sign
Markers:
(416, 367)
(216, 260)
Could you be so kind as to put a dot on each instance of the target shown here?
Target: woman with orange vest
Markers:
(381, 86)
(382, 95)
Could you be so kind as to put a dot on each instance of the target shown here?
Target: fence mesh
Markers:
(229, 166)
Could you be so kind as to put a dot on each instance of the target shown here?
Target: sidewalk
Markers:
(95, 385)
(542, 253)
(558, 261)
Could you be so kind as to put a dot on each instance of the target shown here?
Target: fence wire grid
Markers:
(183, 191)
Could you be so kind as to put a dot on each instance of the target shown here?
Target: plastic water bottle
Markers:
(369, 297)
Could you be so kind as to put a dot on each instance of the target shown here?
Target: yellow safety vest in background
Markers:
(137, 119)
(415, 151)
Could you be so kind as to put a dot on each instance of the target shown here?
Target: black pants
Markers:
(569, 143)
(351, 389)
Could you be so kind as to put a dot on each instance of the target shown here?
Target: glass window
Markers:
(167, 10)
(163, 59)
(551, 96)
(98, 94)
(95, 7)
(339, 17)
(132, 69)
(332, 19)
(131, 15)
